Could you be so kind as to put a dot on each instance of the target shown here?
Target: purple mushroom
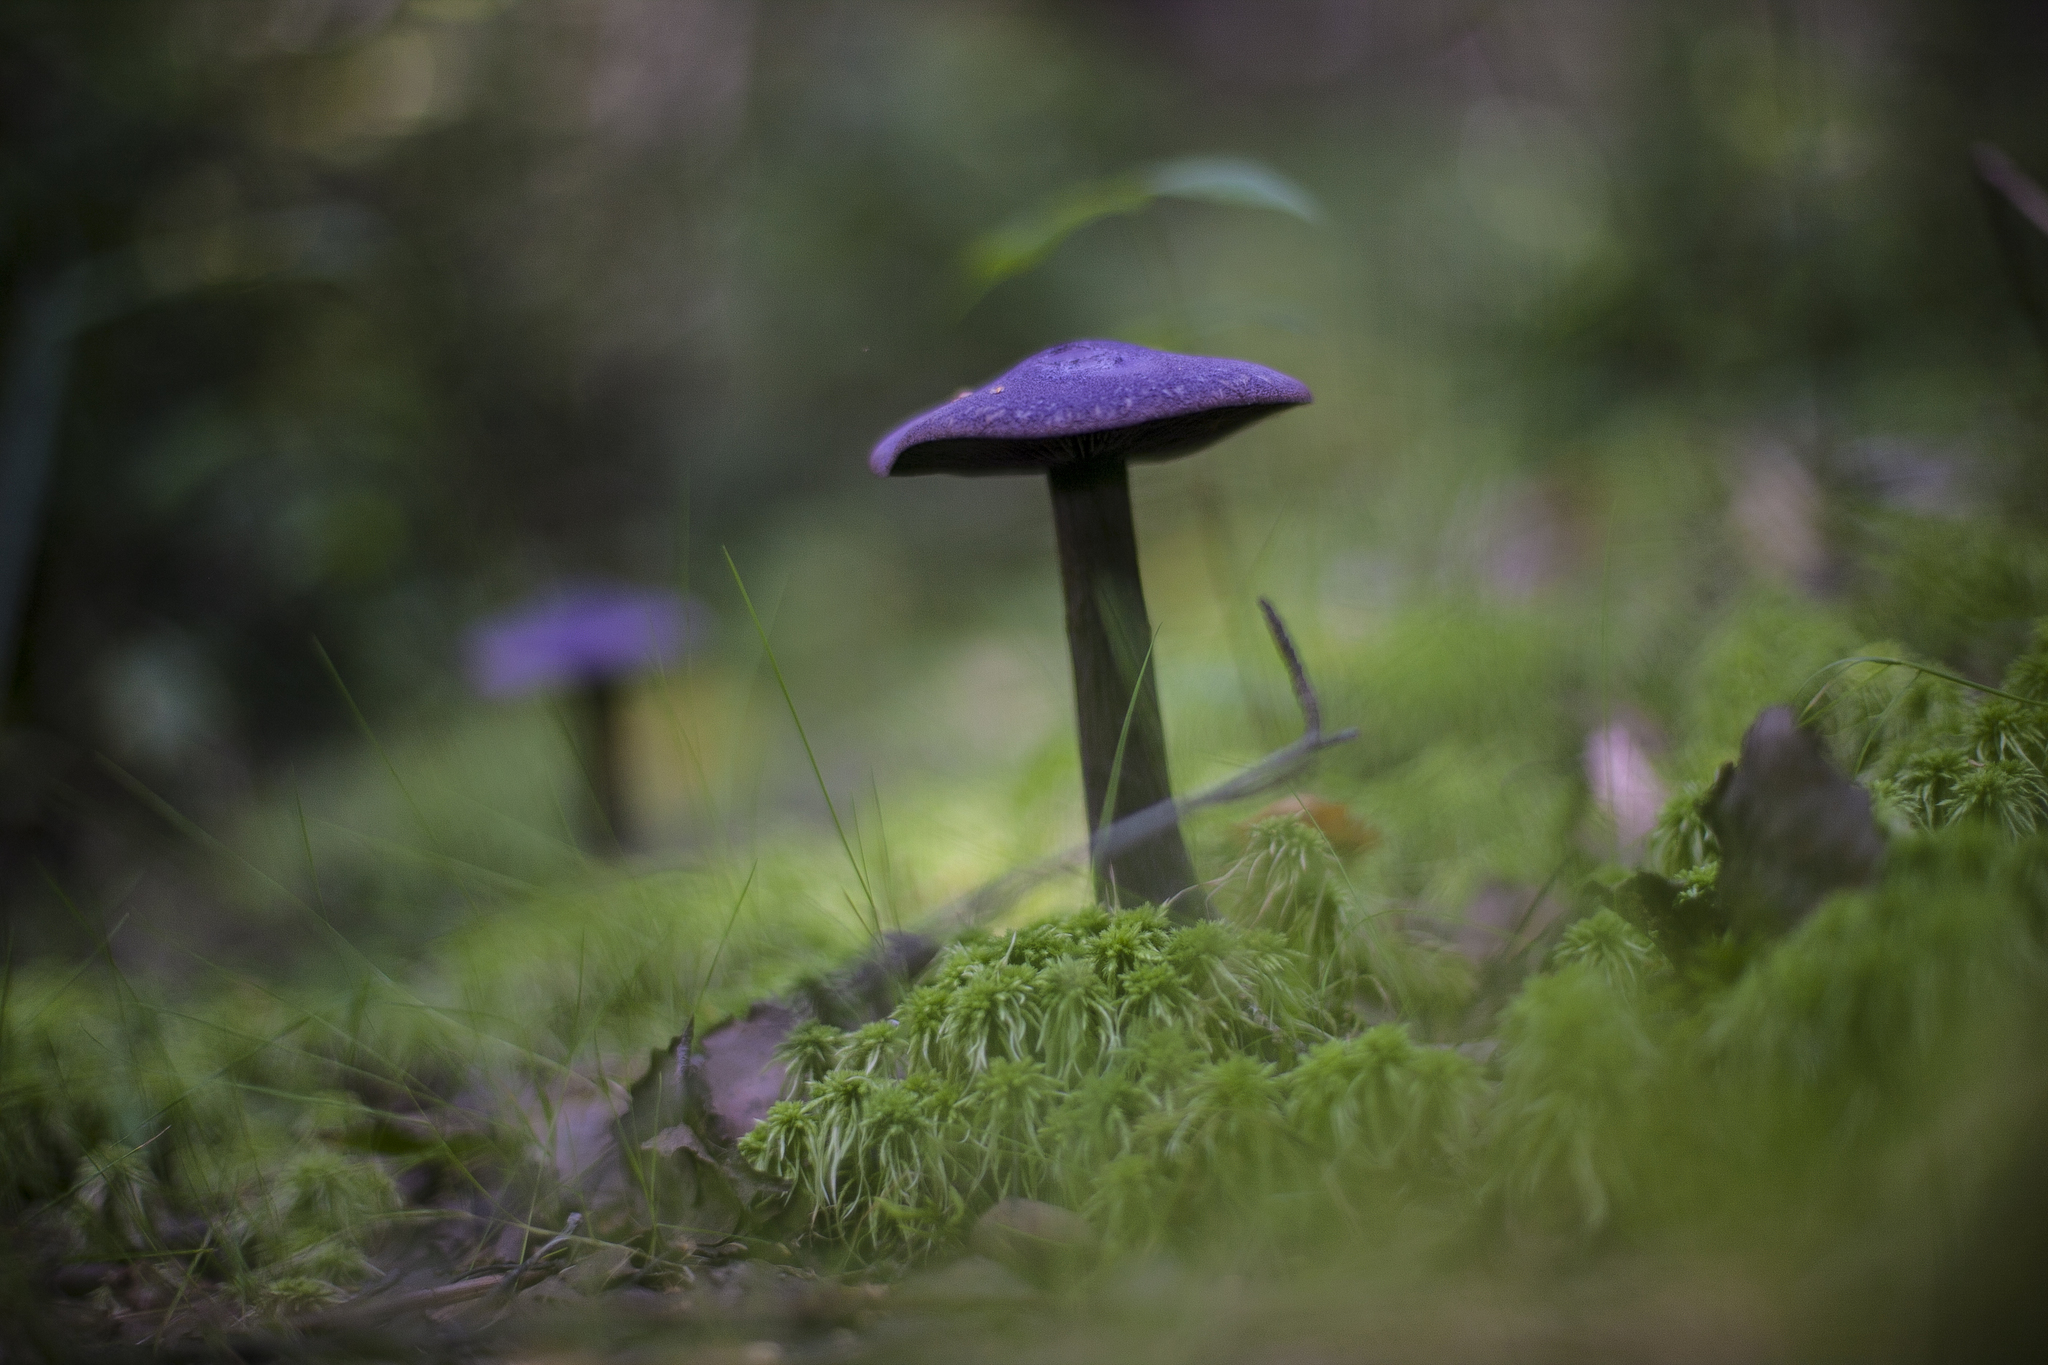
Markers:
(1079, 414)
(584, 639)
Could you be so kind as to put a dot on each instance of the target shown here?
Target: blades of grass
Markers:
(844, 843)
(743, 782)
(860, 846)
(560, 717)
(84, 965)
(180, 822)
(363, 724)
(668, 704)
(562, 814)
(689, 745)
(468, 1018)
(318, 909)
(1817, 711)
(603, 1009)
(265, 1189)
(185, 1282)
(847, 896)
(103, 947)
(319, 906)
(1221, 560)
(88, 1158)
(440, 861)
(1842, 665)
(396, 1069)
(417, 1089)
(576, 1010)
(888, 877)
(1116, 762)
(719, 952)
(532, 832)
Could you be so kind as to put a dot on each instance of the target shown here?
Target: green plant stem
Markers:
(845, 844)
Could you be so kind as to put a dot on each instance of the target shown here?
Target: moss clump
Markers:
(1168, 1081)
(1210, 1087)
(1935, 753)
(1031, 1061)
(1290, 881)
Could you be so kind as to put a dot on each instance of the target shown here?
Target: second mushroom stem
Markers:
(598, 740)
(1116, 700)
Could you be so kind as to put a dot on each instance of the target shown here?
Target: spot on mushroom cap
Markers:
(579, 633)
(1087, 400)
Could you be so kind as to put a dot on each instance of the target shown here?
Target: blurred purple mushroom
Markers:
(1079, 414)
(584, 639)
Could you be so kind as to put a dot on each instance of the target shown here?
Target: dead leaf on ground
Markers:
(1791, 826)
(1347, 834)
(669, 1141)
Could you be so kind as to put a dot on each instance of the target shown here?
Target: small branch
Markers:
(2021, 190)
(2007, 187)
(504, 1282)
(1276, 769)
(1304, 695)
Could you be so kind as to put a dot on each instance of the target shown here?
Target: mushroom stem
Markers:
(598, 741)
(1109, 637)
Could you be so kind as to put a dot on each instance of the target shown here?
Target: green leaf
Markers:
(1026, 240)
(1029, 238)
(1233, 181)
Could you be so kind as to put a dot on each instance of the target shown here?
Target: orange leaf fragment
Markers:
(1346, 832)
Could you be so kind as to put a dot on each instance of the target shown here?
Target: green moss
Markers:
(1033, 1061)
(1580, 1059)
(1289, 881)
(1611, 947)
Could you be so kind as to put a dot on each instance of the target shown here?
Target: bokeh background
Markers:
(334, 325)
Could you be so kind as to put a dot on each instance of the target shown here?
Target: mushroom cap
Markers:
(1087, 400)
(576, 634)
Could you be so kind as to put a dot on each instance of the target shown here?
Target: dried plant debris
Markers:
(1789, 825)
(740, 1067)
